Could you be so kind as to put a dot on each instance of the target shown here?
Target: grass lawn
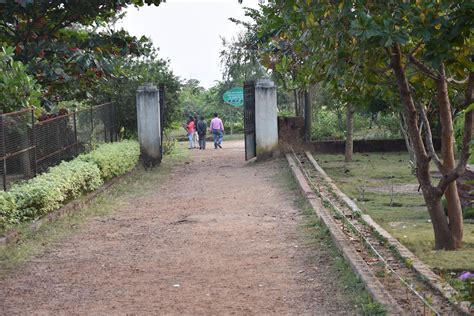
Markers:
(370, 178)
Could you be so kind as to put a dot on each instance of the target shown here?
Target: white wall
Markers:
(148, 120)
(266, 126)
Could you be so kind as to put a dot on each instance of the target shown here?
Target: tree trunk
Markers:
(349, 133)
(447, 154)
(442, 233)
(308, 116)
(301, 105)
(295, 95)
(431, 196)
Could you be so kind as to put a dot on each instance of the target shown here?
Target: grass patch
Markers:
(234, 137)
(317, 237)
(128, 189)
(408, 221)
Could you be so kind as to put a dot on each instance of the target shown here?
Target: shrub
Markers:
(48, 191)
(8, 211)
(17, 89)
(114, 159)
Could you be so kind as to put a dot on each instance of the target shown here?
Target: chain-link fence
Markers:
(28, 146)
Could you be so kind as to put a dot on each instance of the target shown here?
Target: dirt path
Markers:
(219, 236)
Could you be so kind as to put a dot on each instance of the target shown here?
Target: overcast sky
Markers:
(188, 33)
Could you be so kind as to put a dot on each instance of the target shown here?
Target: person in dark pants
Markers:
(201, 130)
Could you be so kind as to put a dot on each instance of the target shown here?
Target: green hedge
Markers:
(115, 158)
(49, 191)
(8, 210)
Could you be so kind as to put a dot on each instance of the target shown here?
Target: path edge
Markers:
(423, 270)
(360, 268)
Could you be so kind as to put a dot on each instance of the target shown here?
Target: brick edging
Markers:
(431, 278)
(358, 265)
(13, 236)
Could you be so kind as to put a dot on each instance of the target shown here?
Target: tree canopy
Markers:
(416, 56)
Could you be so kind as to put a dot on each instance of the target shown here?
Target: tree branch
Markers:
(429, 138)
(452, 80)
(423, 68)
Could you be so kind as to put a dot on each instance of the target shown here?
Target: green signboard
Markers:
(234, 96)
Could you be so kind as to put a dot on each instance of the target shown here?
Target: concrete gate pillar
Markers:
(266, 125)
(149, 125)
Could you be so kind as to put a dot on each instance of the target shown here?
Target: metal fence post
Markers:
(92, 125)
(75, 132)
(115, 127)
(33, 140)
(3, 153)
(104, 119)
(112, 122)
(58, 142)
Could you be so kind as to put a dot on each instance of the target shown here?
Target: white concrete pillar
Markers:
(149, 126)
(266, 125)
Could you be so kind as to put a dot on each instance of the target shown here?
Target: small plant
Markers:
(169, 145)
(466, 286)
(409, 262)
(361, 189)
(391, 191)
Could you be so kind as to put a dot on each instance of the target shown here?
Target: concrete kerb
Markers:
(13, 236)
(431, 278)
(357, 264)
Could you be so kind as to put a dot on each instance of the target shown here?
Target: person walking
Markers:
(195, 135)
(217, 130)
(201, 130)
(190, 128)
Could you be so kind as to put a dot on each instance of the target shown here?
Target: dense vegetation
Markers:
(50, 190)
(407, 60)
(69, 54)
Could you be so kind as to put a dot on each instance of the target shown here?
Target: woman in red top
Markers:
(191, 127)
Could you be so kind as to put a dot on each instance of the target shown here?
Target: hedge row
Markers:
(49, 191)
(114, 159)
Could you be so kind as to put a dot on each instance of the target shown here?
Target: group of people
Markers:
(196, 127)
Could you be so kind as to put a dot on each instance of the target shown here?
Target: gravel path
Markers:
(219, 236)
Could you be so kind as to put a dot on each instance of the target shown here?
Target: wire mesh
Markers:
(16, 147)
(28, 147)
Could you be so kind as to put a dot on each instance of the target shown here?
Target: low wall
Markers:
(291, 132)
(360, 146)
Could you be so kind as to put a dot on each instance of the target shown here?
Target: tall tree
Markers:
(406, 45)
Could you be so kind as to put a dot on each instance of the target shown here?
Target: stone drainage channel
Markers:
(404, 286)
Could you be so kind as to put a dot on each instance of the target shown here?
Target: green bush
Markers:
(8, 210)
(48, 191)
(17, 89)
(114, 159)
